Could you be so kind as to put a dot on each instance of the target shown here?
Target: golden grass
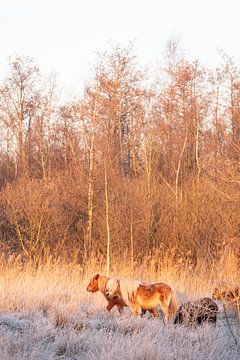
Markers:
(46, 312)
(25, 286)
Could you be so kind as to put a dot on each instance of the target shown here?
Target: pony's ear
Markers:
(96, 276)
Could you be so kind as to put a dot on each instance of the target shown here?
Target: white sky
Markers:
(64, 35)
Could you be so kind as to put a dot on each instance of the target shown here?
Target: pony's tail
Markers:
(173, 305)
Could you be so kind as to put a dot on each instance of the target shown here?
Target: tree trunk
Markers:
(107, 222)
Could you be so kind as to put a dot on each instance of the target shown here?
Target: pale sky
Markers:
(65, 35)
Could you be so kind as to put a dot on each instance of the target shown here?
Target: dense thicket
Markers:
(135, 167)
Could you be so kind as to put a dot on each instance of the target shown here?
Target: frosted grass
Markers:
(48, 314)
(62, 334)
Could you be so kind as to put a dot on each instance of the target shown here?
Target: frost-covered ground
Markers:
(71, 331)
(48, 314)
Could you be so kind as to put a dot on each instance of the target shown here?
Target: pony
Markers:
(98, 283)
(197, 312)
(230, 296)
(141, 296)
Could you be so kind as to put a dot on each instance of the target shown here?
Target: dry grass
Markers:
(46, 313)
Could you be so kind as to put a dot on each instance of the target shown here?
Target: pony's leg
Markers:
(154, 312)
(138, 310)
(120, 309)
(164, 307)
(166, 315)
(110, 305)
(133, 310)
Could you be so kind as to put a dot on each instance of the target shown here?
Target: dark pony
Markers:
(197, 312)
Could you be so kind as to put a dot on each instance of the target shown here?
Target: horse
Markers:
(98, 283)
(230, 296)
(197, 312)
(138, 295)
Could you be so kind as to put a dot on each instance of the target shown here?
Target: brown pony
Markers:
(98, 283)
(138, 295)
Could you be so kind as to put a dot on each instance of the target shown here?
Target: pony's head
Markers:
(93, 283)
(112, 288)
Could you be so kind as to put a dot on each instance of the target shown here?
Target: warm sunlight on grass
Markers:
(46, 313)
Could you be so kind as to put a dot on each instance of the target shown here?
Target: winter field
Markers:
(46, 313)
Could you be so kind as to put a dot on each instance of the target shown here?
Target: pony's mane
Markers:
(129, 288)
(102, 282)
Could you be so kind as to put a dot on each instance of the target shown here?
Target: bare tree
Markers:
(18, 98)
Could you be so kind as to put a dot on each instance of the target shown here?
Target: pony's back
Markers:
(128, 288)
